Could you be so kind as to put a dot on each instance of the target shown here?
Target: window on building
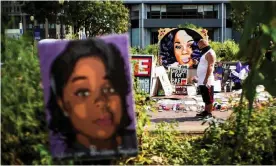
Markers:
(148, 11)
(229, 23)
(154, 38)
(134, 12)
(208, 11)
(189, 11)
(200, 11)
(210, 33)
(228, 11)
(163, 11)
(216, 11)
(134, 23)
(174, 11)
(41, 26)
(155, 11)
(135, 37)
(30, 26)
(134, 15)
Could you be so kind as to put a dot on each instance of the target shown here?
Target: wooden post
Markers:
(46, 28)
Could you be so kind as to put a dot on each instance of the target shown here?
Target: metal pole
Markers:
(33, 37)
(61, 24)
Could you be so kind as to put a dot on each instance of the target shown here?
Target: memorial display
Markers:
(142, 68)
(178, 49)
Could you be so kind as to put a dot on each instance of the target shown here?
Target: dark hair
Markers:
(167, 49)
(61, 70)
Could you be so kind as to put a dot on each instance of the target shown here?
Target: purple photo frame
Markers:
(48, 50)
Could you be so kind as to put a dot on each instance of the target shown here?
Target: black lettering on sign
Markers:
(181, 90)
(178, 75)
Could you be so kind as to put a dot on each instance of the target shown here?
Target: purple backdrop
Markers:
(49, 49)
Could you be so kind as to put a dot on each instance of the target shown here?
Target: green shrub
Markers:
(234, 141)
(23, 126)
(226, 51)
(191, 26)
(133, 50)
(231, 50)
(151, 49)
(239, 141)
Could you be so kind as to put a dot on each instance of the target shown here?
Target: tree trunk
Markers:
(75, 29)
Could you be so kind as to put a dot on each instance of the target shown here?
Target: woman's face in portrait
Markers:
(90, 101)
(182, 47)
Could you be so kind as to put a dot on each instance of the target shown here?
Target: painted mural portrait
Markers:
(180, 46)
(88, 102)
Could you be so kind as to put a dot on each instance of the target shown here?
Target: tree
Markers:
(23, 125)
(239, 13)
(190, 26)
(259, 30)
(42, 10)
(98, 17)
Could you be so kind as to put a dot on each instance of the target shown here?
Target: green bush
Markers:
(226, 51)
(234, 141)
(242, 139)
(23, 127)
(151, 49)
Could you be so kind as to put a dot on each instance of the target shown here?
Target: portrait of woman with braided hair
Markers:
(180, 46)
(87, 103)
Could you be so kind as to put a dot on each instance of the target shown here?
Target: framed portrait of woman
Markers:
(179, 45)
(88, 97)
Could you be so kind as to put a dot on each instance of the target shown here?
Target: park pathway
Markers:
(187, 122)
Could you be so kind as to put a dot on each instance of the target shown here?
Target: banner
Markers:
(37, 33)
(142, 68)
(179, 75)
(164, 80)
(178, 78)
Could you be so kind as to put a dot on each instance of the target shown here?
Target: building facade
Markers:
(147, 16)
(14, 17)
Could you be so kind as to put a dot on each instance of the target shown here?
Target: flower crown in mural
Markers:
(163, 31)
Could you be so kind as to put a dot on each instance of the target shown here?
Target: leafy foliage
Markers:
(226, 51)
(42, 10)
(219, 144)
(253, 45)
(258, 145)
(238, 14)
(98, 17)
(190, 26)
(104, 17)
(23, 120)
